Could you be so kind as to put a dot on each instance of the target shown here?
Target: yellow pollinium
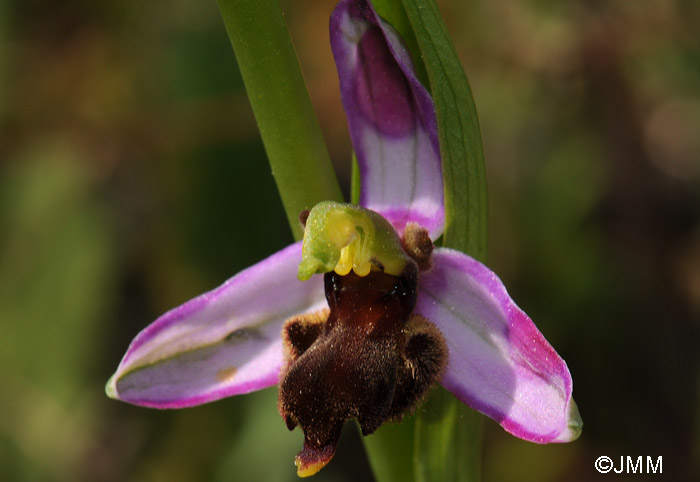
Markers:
(351, 258)
(344, 237)
(349, 232)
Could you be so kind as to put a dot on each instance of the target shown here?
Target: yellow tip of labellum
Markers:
(309, 469)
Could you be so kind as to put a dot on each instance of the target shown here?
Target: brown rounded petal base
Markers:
(417, 244)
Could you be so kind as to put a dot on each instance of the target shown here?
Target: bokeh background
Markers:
(132, 178)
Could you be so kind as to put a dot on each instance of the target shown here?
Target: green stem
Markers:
(355, 181)
(390, 451)
(447, 440)
(445, 434)
(448, 434)
(288, 125)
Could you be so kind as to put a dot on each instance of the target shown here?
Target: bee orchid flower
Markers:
(391, 316)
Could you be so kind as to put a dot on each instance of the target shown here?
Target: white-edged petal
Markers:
(499, 363)
(222, 343)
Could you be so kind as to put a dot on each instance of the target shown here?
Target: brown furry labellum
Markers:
(367, 358)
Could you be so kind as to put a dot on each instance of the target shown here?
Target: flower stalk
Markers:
(463, 166)
(455, 433)
(446, 430)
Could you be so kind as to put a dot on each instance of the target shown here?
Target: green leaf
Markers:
(277, 92)
(463, 167)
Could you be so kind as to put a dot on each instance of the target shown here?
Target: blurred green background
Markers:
(132, 178)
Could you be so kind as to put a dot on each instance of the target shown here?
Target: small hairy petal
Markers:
(391, 118)
(222, 343)
(498, 362)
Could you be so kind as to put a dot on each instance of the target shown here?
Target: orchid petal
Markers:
(391, 118)
(222, 343)
(499, 363)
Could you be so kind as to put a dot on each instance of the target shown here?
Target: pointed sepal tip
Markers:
(111, 387)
